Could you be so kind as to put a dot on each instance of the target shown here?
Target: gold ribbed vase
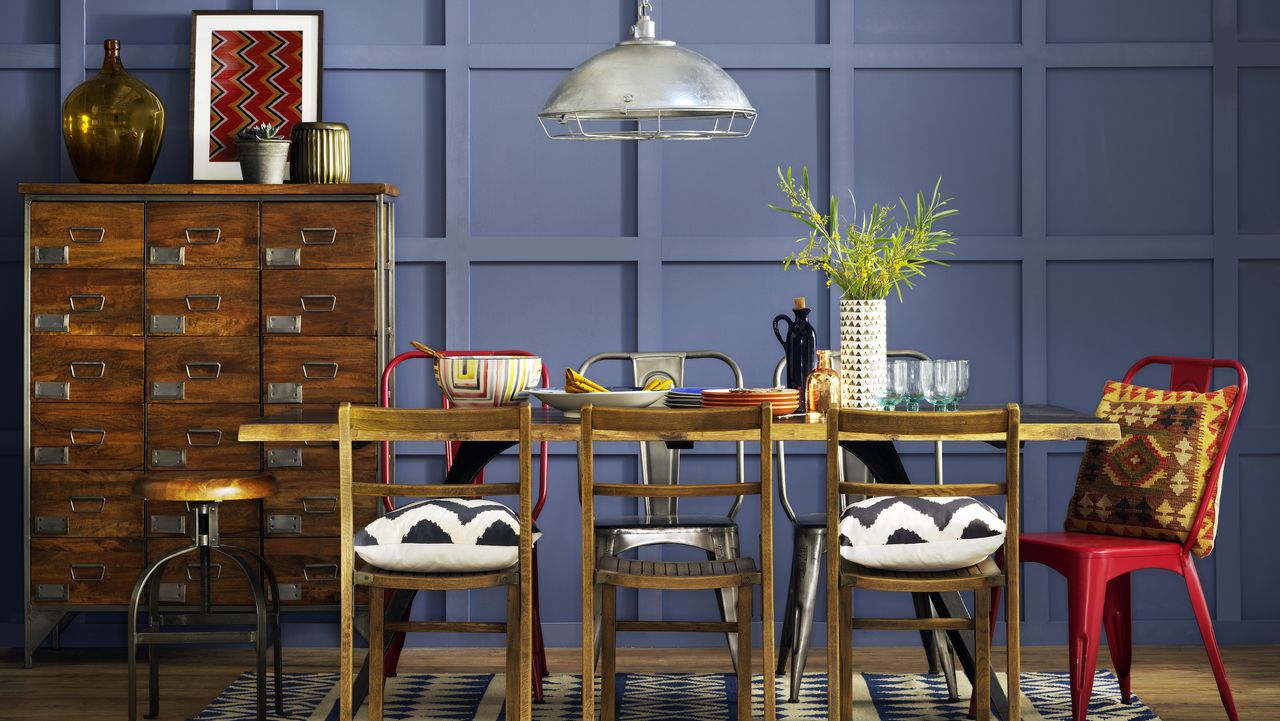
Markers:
(321, 153)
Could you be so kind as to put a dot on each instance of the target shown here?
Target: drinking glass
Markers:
(913, 371)
(962, 383)
(895, 384)
(940, 382)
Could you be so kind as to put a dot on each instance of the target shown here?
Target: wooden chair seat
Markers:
(378, 578)
(180, 487)
(984, 574)
(634, 573)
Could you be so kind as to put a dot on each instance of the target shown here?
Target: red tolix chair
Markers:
(1097, 567)
(384, 471)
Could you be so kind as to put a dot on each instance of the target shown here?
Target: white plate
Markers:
(572, 403)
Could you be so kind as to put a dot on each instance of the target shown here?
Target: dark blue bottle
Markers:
(799, 345)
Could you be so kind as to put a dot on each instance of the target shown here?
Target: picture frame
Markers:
(230, 91)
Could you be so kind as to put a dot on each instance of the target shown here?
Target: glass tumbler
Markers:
(914, 371)
(896, 385)
(962, 383)
(940, 383)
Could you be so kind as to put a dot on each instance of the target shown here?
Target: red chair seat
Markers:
(1095, 545)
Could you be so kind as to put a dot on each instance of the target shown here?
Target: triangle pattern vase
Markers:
(863, 340)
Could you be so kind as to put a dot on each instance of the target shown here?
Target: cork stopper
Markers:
(799, 303)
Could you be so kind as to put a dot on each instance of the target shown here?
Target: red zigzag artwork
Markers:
(257, 78)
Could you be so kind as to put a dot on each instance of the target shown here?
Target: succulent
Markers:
(260, 131)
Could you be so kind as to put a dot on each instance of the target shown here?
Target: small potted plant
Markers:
(263, 154)
(868, 259)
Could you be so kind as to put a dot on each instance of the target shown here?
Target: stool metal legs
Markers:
(206, 544)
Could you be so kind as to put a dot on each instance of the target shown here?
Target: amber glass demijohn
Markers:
(113, 124)
(822, 388)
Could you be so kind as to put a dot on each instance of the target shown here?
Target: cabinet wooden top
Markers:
(205, 189)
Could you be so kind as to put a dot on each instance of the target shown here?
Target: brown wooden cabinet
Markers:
(160, 318)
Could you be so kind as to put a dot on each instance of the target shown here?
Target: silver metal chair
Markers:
(810, 532)
(661, 521)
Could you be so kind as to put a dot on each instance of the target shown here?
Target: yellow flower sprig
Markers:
(867, 259)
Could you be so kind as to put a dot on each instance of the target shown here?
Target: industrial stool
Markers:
(203, 497)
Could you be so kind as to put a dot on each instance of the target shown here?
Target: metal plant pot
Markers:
(263, 161)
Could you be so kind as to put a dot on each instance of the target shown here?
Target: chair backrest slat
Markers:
(374, 424)
(926, 426)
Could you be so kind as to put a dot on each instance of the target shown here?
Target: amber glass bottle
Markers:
(113, 124)
(822, 387)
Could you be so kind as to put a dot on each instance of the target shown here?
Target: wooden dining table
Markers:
(1040, 423)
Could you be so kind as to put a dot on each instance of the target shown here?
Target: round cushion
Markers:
(907, 533)
(443, 535)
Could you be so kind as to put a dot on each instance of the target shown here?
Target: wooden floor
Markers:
(90, 685)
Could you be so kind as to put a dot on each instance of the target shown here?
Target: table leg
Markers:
(400, 601)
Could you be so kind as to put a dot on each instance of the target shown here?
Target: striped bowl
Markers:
(488, 381)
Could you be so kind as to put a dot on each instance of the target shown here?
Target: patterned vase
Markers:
(862, 352)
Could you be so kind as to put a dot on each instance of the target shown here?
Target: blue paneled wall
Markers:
(1113, 161)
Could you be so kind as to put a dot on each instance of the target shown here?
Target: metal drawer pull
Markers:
(100, 433)
(77, 568)
(162, 255)
(204, 302)
(50, 455)
(168, 391)
(51, 525)
(217, 236)
(333, 235)
(212, 369)
(51, 255)
(318, 444)
(215, 567)
(319, 303)
(323, 370)
(168, 324)
(88, 370)
(168, 457)
(284, 392)
(323, 571)
(90, 302)
(71, 233)
(283, 257)
(169, 524)
(52, 592)
(88, 504)
(284, 458)
(284, 324)
(330, 504)
(215, 432)
(173, 592)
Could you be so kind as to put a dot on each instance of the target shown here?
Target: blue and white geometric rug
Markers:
(669, 697)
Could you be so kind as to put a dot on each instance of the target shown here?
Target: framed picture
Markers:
(249, 68)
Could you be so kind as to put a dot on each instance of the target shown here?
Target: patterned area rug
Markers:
(669, 697)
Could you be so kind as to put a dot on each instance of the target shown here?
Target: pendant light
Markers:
(647, 89)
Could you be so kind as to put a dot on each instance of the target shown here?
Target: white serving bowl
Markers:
(488, 381)
(571, 403)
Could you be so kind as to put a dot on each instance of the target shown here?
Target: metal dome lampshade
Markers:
(647, 89)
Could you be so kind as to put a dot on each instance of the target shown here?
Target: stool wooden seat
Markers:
(181, 487)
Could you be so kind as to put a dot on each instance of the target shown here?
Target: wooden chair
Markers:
(510, 423)
(610, 572)
(843, 577)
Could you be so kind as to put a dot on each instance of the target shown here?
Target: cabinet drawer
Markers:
(319, 370)
(96, 571)
(307, 568)
(315, 455)
(86, 235)
(318, 302)
(79, 504)
(172, 519)
(201, 437)
(86, 301)
(307, 505)
(202, 302)
(202, 235)
(99, 369)
(180, 582)
(202, 370)
(86, 436)
(319, 235)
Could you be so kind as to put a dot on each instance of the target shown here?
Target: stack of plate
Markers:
(784, 400)
(684, 398)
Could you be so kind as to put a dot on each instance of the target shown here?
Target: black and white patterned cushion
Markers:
(905, 533)
(443, 535)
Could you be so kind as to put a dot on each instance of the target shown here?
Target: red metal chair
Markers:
(1097, 567)
(384, 470)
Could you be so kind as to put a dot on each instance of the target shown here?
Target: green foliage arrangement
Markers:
(871, 257)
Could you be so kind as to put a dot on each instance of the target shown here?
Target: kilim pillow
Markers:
(906, 533)
(1149, 483)
(443, 535)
